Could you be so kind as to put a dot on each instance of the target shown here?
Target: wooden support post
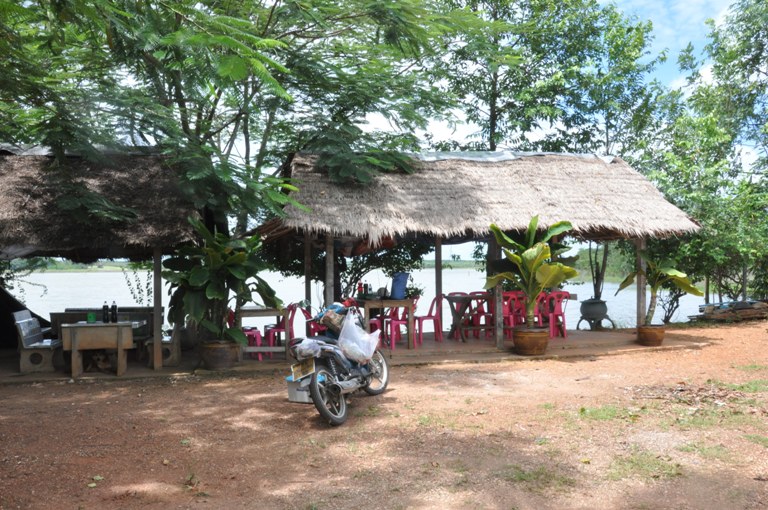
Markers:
(439, 276)
(157, 323)
(640, 264)
(329, 256)
(307, 272)
(494, 253)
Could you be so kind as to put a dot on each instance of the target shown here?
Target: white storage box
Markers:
(298, 391)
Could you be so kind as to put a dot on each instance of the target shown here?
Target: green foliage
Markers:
(574, 68)
(617, 266)
(288, 258)
(532, 271)
(141, 292)
(227, 91)
(16, 270)
(657, 274)
(205, 279)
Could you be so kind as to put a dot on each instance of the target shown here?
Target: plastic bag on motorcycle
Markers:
(355, 342)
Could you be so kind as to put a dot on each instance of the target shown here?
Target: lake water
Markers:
(47, 292)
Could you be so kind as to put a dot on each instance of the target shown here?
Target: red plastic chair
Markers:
(272, 332)
(315, 328)
(432, 315)
(557, 301)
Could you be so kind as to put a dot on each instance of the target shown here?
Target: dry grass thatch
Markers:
(453, 196)
(34, 218)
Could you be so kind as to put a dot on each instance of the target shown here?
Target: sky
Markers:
(675, 24)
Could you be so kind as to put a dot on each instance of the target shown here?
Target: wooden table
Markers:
(99, 335)
(259, 311)
(369, 304)
(459, 305)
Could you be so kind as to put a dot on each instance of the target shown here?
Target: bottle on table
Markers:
(105, 312)
(113, 312)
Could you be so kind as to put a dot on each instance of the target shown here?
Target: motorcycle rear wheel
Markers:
(379, 376)
(326, 396)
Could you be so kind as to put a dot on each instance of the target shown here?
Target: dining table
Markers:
(83, 336)
(459, 305)
(369, 304)
(263, 311)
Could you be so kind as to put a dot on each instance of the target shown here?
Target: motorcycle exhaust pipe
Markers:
(347, 386)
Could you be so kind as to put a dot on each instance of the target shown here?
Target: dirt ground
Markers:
(682, 429)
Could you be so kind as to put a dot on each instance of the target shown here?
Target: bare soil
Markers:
(681, 429)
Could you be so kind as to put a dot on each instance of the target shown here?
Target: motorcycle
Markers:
(335, 367)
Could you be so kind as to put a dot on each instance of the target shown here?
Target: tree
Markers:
(562, 76)
(227, 90)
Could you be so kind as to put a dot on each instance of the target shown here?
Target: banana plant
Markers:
(206, 279)
(656, 275)
(532, 269)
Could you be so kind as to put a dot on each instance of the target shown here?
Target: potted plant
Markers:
(594, 310)
(656, 275)
(204, 282)
(412, 290)
(532, 271)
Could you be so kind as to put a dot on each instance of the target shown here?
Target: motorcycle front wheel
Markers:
(326, 396)
(379, 374)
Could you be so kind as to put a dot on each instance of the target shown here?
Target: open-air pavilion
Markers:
(454, 197)
(449, 198)
(144, 187)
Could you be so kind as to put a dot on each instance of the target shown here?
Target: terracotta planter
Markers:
(650, 336)
(530, 341)
(219, 355)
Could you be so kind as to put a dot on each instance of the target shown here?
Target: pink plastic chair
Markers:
(557, 302)
(432, 315)
(514, 310)
(400, 320)
(254, 340)
(542, 309)
(481, 313)
(382, 322)
(272, 332)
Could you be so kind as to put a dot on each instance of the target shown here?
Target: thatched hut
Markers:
(454, 197)
(141, 210)
(458, 195)
(39, 211)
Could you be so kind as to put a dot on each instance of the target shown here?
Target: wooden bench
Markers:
(170, 348)
(36, 353)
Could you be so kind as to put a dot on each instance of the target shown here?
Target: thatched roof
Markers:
(36, 215)
(458, 195)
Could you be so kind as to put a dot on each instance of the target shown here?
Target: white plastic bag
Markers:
(308, 348)
(355, 342)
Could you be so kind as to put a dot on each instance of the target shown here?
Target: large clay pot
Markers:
(530, 341)
(219, 355)
(650, 336)
(593, 310)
